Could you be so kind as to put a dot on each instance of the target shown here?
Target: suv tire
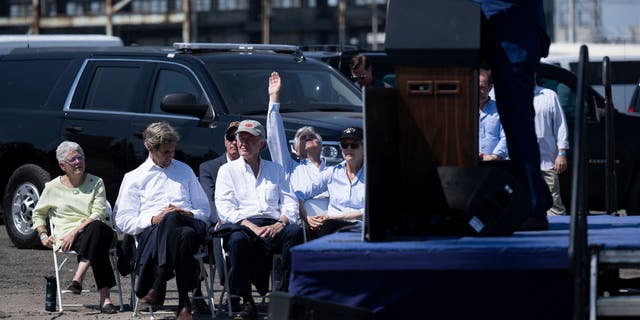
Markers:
(21, 196)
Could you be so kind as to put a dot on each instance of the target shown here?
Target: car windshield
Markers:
(245, 91)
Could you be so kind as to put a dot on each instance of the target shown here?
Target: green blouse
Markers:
(70, 207)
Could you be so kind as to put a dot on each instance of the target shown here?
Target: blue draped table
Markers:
(523, 276)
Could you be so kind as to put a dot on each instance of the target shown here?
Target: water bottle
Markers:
(50, 300)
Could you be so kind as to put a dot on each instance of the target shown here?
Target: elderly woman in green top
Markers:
(76, 203)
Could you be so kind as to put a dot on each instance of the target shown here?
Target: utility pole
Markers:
(374, 25)
(186, 22)
(342, 29)
(109, 12)
(266, 18)
(35, 24)
(571, 30)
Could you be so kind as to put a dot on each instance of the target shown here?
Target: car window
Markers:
(245, 90)
(18, 78)
(113, 88)
(172, 81)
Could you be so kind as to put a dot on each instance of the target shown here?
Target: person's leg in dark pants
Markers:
(92, 246)
(290, 236)
(177, 243)
(514, 54)
(242, 257)
(240, 253)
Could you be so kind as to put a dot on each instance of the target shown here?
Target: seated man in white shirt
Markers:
(253, 196)
(163, 203)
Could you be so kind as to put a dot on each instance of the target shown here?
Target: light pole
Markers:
(374, 25)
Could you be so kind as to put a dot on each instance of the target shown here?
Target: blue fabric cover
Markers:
(523, 276)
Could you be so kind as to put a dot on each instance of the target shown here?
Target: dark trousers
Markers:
(168, 248)
(514, 54)
(245, 255)
(93, 244)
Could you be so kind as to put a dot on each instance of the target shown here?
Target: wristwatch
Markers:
(284, 224)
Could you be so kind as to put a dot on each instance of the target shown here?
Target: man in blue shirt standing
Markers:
(515, 39)
(492, 141)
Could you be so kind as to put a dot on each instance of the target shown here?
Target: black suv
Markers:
(104, 98)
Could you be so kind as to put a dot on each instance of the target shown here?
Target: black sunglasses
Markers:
(230, 136)
(358, 77)
(353, 145)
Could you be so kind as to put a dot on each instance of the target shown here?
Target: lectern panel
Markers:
(442, 103)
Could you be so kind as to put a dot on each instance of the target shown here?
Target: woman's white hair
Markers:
(299, 133)
(65, 147)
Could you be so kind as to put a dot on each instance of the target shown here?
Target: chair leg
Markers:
(226, 288)
(113, 258)
(209, 287)
(58, 288)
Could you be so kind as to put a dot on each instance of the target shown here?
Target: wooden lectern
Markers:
(430, 119)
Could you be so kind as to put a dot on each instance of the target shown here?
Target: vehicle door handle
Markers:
(74, 129)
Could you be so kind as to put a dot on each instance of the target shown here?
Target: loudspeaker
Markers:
(284, 306)
(449, 36)
(482, 201)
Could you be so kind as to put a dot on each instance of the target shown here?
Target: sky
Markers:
(620, 13)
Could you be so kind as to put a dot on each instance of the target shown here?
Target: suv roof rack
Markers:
(328, 47)
(186, 47)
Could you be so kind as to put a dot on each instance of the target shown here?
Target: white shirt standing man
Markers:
(553, 141)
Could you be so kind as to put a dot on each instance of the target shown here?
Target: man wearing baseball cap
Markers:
(208, 173)
(253, 196)
(209, 169)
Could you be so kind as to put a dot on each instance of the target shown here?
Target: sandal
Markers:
(108, 309)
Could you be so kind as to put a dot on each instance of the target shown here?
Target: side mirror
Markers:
(183, 103)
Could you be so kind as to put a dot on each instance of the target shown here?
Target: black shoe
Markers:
(535, 223)
(108, 309)
(199, 306)
(153, 298)
(75, 287)
(248, 312)
(236, 306)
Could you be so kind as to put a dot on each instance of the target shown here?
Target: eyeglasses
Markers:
(358, 77)
(353, 145)
(74, 159)
(230, 137)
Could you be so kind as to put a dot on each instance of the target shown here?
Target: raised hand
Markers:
(274, 87)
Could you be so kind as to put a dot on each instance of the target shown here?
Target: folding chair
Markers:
(222, 257)
(58, 266)
(205, 276)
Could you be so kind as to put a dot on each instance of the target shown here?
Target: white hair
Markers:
(300, 132)
(65, 147)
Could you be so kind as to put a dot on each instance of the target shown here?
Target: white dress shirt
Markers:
(148, 189)
(551, 126)
(240, 194)
(300, 174)
(344, 196)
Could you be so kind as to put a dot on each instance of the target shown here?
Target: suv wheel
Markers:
(21, 196)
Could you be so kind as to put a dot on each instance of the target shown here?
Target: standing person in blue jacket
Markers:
(515, 39)
(492, 140)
